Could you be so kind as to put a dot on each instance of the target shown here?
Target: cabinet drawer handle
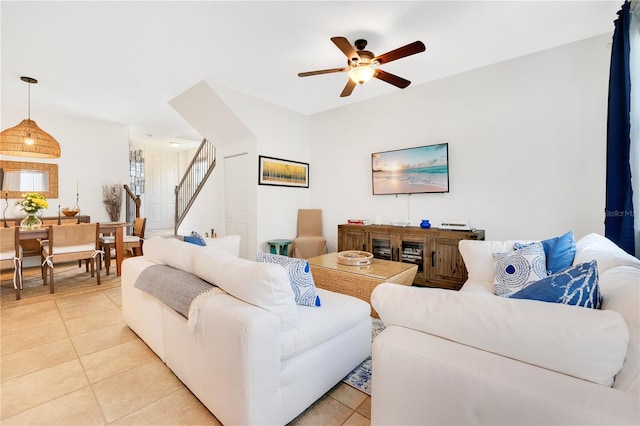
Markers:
(433, 258)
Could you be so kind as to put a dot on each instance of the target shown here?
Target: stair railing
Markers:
(135, 198)
(199, 170)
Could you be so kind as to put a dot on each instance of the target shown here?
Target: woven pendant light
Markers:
(27, 139)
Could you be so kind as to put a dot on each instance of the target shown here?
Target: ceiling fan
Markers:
(362, 64)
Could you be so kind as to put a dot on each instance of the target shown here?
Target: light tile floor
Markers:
(73, 360)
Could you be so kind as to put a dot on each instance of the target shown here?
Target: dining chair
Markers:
(57, 221)
(309, 242)
(11, 255)
(130, 242)
(70, 243)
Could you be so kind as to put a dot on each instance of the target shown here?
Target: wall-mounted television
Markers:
(421, 169)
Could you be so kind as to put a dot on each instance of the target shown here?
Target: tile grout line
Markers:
(75, 350)
(77, 358)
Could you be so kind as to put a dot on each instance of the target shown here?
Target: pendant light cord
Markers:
(29, 102)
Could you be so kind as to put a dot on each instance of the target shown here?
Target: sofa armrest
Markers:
(423, 379)
(585, 343)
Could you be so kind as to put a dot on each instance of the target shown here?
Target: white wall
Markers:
(93, 153)
(527, 144)
(273, 211)
(279, 133)
(526, 138)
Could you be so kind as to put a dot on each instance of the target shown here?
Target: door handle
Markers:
(433, 258)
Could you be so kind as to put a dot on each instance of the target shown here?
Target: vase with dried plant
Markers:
(112, 200)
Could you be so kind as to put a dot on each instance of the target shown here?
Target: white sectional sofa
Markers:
(471, 357)
(253, 356)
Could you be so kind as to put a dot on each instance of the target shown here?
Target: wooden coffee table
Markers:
(358, 281)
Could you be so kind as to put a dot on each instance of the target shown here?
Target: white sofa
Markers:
(254, 356)
(471, 357)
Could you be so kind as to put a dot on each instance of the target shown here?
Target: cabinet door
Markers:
(447, 266)
(351, 240)
(381, 246)
(412, 249)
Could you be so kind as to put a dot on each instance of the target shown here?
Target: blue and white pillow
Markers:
(560, 252)
(300, 277)
(576, 285)
(195, 238)
(515, 269)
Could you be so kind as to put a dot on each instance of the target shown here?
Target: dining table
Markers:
(116, 228)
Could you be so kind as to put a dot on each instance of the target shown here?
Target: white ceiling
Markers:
(123, 61)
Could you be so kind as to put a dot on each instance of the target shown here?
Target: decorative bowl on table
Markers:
(70, 212)
(354, 258)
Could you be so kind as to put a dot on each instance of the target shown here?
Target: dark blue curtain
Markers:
(618, 223)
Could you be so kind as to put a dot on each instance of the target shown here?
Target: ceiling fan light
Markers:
(361, 74)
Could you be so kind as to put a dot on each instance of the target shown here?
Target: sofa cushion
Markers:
(230, 244)
(620, 289)
(300, 277)
(478, 257)
(619, 277)
(515, 269)
(576, 285)
(172, 252)
(608, 254)
(179, 254)
(585, 343)
(262, 284)
(338, 314)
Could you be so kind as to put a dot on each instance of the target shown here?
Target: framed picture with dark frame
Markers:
(280, 172)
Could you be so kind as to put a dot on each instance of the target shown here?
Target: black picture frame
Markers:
(280, 172)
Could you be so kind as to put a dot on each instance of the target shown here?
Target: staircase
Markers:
(201, 166)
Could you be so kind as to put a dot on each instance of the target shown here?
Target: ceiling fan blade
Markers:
(401, 52)
(346, 47)
(391, 78)
(327, 71)
(348, 88)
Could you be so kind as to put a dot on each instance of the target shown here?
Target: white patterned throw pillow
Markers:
(299, 274)
(516, 269)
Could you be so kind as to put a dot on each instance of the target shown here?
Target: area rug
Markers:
(69, 280)
(360, 377)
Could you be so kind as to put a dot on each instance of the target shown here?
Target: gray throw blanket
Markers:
(175, 288)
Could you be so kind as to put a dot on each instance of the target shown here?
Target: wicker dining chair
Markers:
(11, 255)
(70, 243)
(130, 242)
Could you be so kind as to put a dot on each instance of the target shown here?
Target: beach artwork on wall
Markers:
(279, 172)
(416, 170)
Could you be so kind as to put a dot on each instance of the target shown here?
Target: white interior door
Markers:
(236, 200)
(160, 182)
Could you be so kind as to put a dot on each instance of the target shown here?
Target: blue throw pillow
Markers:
(560, 252)
(195, 238)
(577, 285)
(514, 270)
(300, 277)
